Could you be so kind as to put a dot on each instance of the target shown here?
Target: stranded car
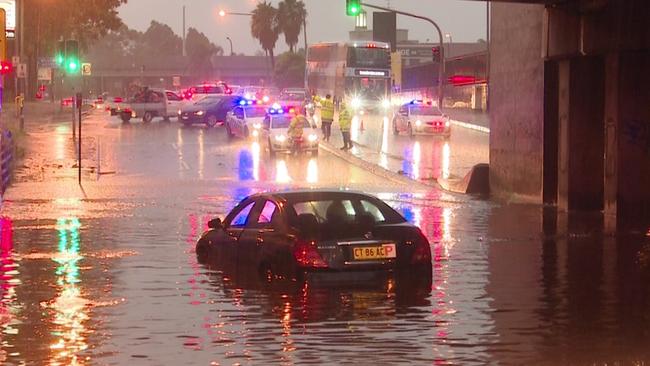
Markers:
(421, 118)
(150, 103)
(297, 233)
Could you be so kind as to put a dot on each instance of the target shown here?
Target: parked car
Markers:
(275, 131)
(198, 91)
(211, 110)
(421, 118)
(150, 103)
(293, 96)
(113, 104)
(245, 120)
(325, 232)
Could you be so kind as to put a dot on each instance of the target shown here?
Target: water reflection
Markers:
(8, 283)
(282, 172)
(312, 171)
(70, 315)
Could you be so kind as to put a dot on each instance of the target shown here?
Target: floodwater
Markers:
(107, 274)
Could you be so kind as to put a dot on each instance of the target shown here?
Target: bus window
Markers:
(368, 57)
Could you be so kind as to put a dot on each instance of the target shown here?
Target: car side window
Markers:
(239, 113)
(172, 97)
(241, 218)
(268, 213)
(373, 210)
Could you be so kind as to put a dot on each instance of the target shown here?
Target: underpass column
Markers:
(612, 132)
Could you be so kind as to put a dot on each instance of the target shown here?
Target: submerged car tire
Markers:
(229, 131)
(211, 121)
(147, 117)
(202, 252)
(126, 117)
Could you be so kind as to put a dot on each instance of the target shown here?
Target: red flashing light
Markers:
(458, 80)
(117, 99)
(292, 110)
(372, 45)
(6, 67)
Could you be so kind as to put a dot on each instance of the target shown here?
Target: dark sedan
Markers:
(317, 233)
(210, 110)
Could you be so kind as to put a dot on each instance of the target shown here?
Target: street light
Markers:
(223, 13)
(231, 52)
(448, 35)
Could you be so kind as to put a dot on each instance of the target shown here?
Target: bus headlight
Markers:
(385, 103)
(355, 102)
(418, 123)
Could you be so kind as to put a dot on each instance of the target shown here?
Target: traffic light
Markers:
(72, 63)
(59, 56)
(6, 67)
(436, 54)
(352, 7)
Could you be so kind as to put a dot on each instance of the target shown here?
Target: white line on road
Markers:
(471, 126)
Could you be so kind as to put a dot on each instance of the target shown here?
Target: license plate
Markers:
(383, 251)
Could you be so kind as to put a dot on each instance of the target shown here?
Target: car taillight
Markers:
(307, 255)
(117, 100)
(422, 252)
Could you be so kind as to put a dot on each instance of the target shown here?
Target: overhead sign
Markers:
(9, 7)
(86, 69)
(21, 71)
(44, 74)
(371, 73)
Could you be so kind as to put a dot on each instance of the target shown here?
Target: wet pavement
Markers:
(106, 273)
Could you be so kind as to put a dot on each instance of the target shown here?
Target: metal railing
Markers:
(6, 159)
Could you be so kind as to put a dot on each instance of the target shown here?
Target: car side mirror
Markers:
(215, 224)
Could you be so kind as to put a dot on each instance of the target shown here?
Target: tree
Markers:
(290, 69)
(291, 16)
(264, 27)
(200, 51)
(48, 21)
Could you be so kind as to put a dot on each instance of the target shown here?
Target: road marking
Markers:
(184, 165)
(471, 126)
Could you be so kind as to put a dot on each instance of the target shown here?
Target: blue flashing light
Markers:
(242, 102)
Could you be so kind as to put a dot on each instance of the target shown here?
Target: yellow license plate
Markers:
(383, 251)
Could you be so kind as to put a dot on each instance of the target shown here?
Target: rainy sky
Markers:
(464, 20)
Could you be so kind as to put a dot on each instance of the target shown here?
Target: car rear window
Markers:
(208, 89)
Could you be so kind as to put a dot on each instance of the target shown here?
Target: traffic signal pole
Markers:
(441, 69)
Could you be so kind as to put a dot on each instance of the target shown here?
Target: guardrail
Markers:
(6, 159)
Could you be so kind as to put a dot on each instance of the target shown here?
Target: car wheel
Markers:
(211, 121)
(126, 117)
(147, 117)
(166, 119)
(202, 252)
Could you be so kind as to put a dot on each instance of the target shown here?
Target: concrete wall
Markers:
(516, 102)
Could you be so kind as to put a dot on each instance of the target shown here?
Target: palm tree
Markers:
(264, 27)
(291, 16)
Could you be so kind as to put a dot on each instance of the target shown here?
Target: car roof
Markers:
(305, 194)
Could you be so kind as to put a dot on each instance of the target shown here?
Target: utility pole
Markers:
(184, 52)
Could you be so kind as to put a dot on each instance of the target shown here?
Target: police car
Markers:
(417, 117)
(276, 131)
(245, 120)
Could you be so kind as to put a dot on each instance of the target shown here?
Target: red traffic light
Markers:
(6, 67)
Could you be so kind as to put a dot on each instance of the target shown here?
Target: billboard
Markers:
(10, 8)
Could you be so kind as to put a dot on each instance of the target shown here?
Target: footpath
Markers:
(428, 160)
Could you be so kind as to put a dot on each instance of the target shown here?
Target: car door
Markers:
(402, 118)
(173, 103)
(238, 118)
(234, 226)
(265, 243)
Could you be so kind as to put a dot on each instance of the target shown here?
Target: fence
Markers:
(6, 158)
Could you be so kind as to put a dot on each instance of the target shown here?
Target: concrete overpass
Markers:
(570, 105)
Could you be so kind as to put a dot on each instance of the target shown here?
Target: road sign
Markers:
(86, 69)
(176, 81)
(21, 71)
(44, 74)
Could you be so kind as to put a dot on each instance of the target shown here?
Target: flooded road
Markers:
(107, 274)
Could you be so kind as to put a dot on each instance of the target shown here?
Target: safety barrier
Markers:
(6, 158)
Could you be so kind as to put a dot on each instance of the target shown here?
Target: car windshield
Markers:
(292, 95)
(280, 121)
(425, 110)
(253, 112)
(207, 101)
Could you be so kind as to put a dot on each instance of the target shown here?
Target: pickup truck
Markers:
(149, 103)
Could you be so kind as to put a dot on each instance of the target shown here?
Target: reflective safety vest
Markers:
(345, 118)
(327, 109)
(296, 126)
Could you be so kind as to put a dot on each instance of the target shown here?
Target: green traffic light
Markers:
(353, 7)
(72, 66)
(354, 10)
(59, 59)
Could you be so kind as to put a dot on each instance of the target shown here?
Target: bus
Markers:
(357, 72)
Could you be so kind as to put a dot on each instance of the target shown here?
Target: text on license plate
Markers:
(375, 252)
